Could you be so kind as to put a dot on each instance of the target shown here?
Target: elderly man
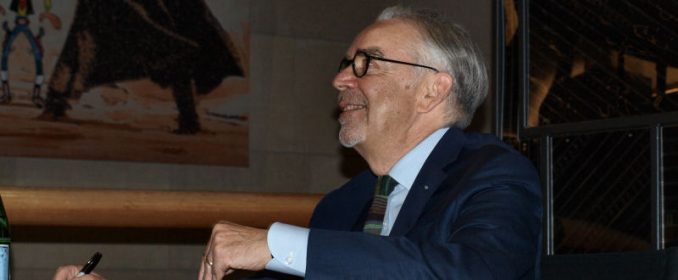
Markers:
(462, 206)
(446, 205)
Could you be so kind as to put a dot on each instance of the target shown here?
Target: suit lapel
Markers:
(429, 179)
(359, 199)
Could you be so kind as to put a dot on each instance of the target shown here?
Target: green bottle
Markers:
(4, 243)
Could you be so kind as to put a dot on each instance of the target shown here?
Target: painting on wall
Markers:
(152, 81)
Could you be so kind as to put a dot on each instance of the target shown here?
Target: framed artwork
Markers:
(154, 81)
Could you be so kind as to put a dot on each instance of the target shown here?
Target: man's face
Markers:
(380, 106)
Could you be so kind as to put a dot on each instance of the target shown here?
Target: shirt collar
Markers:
(407, 168)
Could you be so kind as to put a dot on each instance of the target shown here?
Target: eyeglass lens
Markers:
(359, 63)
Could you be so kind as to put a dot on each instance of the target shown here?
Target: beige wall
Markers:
(295, 49)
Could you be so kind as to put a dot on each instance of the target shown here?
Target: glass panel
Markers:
(671, 186)
(512, 60)
(601, 59)
(602, 192)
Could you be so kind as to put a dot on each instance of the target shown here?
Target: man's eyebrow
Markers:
(373, 51)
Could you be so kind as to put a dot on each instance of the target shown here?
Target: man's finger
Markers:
(219, 267)
(214, 273)
(201, 274)
(205, 269)
(65, 272)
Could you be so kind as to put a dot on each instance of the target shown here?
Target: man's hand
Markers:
(70, 271)
(232, 247)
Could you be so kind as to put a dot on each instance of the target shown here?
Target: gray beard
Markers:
(349, 141)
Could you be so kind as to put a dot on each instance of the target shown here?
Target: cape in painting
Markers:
(159, 81)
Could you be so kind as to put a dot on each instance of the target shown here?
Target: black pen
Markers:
(90, 265)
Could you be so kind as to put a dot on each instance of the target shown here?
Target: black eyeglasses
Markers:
(361, 61)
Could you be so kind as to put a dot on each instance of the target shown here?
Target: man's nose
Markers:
(345, 79)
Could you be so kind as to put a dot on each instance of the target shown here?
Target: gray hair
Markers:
(449, 46)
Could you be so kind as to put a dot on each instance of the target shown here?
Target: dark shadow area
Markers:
(479, 118)
(352, 163)
(662, 264)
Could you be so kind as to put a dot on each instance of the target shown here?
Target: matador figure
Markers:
(23, 9)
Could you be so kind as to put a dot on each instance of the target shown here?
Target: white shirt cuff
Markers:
(288, 245)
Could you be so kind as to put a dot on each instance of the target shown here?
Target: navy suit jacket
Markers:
(473, 212)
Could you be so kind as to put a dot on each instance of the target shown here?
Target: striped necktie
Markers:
(375, 216)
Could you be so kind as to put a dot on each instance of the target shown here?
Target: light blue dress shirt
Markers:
(288, 244)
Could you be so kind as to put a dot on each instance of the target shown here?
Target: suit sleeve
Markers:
(491, 231)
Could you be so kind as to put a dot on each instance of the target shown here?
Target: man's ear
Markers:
(437, 92)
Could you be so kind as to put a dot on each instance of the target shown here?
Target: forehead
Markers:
(391, 38)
